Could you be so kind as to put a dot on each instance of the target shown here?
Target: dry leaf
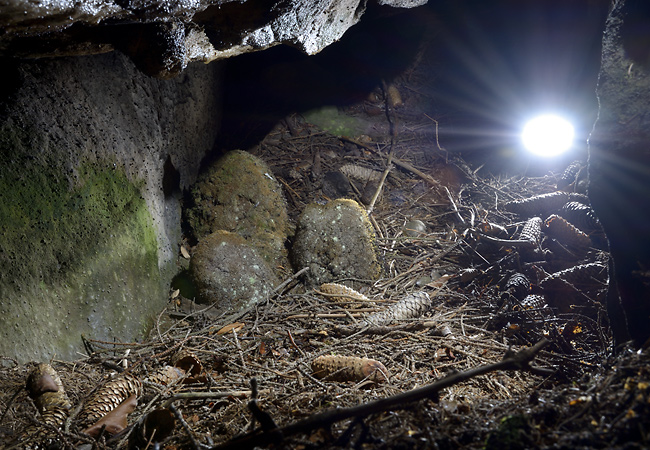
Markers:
(184, 252)
(441, 353)
(439, 282)
(228, 328)
(175, 293)
(115, 420)
(263, 348)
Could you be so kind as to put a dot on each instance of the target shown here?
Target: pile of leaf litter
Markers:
(487, 330)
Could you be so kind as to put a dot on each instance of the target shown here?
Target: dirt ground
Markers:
(442, 229)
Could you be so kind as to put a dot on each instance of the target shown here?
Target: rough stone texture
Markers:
(91, 171)
(619, 165)
(94, 154)
(162, 37)
(229, 273)
(402, 3)
(240, 194)
(335, 241)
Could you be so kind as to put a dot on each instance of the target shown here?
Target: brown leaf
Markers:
(228, 328)
(439, 282)
(263, 348)
(115, 421)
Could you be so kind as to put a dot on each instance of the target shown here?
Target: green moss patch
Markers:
(330, 119)
(78, 251)
(239, 194)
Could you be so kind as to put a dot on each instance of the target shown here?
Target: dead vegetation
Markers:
(485, 287)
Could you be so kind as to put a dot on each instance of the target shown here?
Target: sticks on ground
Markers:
(511, 361)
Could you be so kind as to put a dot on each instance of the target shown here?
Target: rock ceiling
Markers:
(162, 37)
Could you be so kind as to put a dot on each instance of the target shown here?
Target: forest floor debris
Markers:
(442, 229)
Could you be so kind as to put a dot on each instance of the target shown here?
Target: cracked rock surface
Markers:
(162, 37)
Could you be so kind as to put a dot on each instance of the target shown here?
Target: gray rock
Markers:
(91, 172)
(335, 241)
(162, 37)
(239, 193)
(229, 273)
(619, 164)
(414, 228)
(402, 3)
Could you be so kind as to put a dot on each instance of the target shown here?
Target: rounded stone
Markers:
(335, 241)
(229, 273)
(241, 195)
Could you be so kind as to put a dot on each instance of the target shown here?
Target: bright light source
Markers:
(548, 135)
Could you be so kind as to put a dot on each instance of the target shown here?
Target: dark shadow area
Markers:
(505, 62)
(494, 65)
(171, 182)
(262, 88)
(11, 81)
(183, 282)
(636, 31)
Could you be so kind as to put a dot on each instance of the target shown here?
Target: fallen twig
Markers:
(512, 361)
(398, 162)
(205, 395)
(278, 290)
(454, 207)
(179, 416)
(389, 165)
(523, 243)
(330, 315)
(385, 329)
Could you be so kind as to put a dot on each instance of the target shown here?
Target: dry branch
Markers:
(398, 162)
(512, 361)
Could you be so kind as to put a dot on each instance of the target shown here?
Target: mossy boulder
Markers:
(94, 156)
(240, 194)
(78, 258)
(230, 274)
(335, 241)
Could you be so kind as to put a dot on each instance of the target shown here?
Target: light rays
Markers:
(548, 135)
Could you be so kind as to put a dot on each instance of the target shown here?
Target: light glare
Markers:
(548, 135)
